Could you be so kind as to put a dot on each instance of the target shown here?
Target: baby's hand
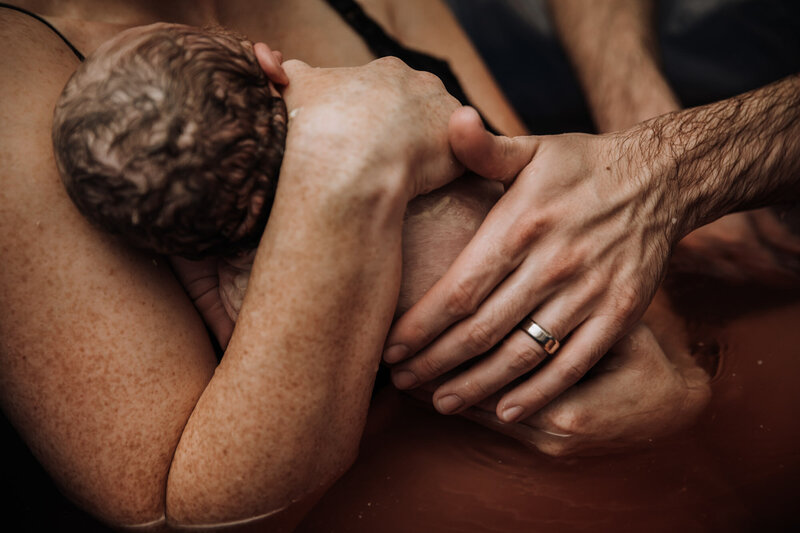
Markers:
(234, 274)
(201, 281)
(637, 393)
(270, 61)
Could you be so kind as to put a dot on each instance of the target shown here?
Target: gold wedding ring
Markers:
(540, 335)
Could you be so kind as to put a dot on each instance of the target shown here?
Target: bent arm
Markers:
(103, 360)
(282, 417)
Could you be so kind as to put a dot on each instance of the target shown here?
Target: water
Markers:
(737, 469)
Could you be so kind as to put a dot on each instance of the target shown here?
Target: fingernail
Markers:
(511, 414)
(404, 379)
(395, 354)
(449, 403)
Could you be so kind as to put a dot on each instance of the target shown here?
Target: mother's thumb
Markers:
(490, 156)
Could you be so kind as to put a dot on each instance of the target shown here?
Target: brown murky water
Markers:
(737, 469)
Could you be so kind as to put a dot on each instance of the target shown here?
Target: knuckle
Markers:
(524, 359)
(554, 449)
(626, 304)
(294, 66)
(473, 391)
(568, 421)
(461, 301)
(416, 334)
(559, 270)
(390, 62)
(533, 399)
(564, 266)
(429, 367)
(524, 234)
(573, 371)
(428, 78)
(479, 338)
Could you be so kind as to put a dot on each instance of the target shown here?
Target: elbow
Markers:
(280, 499)
(123, 506)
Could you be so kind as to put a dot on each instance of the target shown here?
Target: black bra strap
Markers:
(75, 51)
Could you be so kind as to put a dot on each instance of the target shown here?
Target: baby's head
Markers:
(172, 137)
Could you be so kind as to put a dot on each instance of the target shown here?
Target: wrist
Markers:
(653, 162)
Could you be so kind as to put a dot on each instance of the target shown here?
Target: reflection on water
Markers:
(737, 469)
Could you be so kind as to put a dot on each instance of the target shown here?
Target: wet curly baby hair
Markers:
(170, 137)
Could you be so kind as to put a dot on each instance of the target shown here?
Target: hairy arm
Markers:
(583, 236)
(740, 153)
(613, 48)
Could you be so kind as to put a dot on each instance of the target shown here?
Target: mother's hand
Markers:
(385, 118)
(579, 242)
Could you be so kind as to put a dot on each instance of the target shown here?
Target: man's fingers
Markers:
(452, 298)
(580, 352)
(517, 355)
(270, 64)
(477, 334)
(490, 156)
(477, 270)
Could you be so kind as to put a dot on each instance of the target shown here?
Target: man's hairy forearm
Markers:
(737, 154)
(613, 48)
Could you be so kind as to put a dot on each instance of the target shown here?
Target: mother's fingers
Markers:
(585, 346)
(490, 156)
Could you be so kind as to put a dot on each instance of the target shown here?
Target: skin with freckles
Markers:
(105, 366)
(648, 386)
(106, 369)
(442, 221)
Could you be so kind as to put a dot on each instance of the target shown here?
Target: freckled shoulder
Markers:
(102, 356)
(35, 66)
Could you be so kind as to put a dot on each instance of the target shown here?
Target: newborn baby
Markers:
(172, 137)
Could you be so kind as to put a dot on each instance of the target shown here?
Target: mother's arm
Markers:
(106, 369)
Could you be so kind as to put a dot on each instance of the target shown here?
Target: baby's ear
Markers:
(270, 62)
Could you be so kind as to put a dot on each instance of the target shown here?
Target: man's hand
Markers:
(577, 241)
(580, 239)
(383, 118)
(640, 391)
(647, 386)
